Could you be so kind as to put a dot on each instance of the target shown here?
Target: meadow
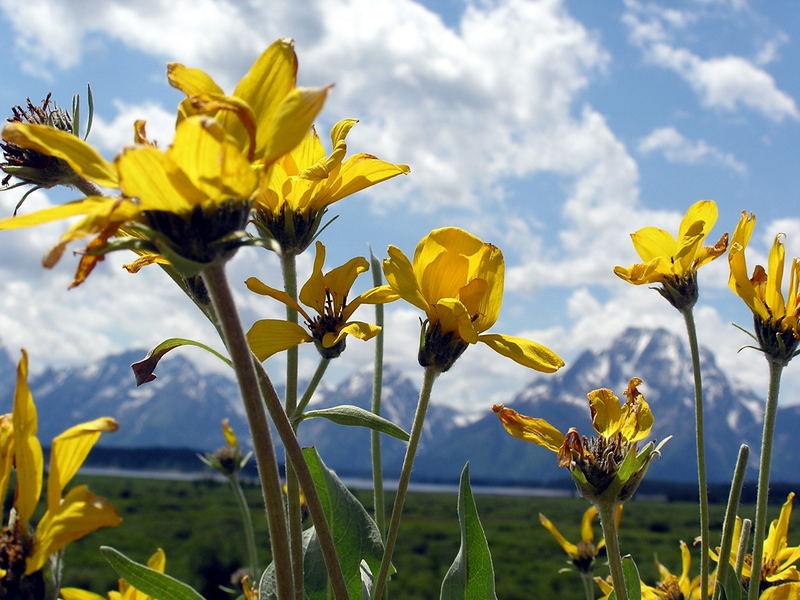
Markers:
(197, 524)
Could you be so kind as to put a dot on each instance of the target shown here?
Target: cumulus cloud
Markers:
(729, 83)
(114, 134)
(669, 142)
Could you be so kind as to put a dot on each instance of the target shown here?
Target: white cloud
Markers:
(678, 149)
(113, 135)
(728, 83)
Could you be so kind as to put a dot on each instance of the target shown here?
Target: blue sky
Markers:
(550, 128)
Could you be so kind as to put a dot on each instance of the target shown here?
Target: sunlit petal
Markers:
(270, 336)
(567, 546)
(27, 449)
(529, 429)
(254, 285)
(526, 352)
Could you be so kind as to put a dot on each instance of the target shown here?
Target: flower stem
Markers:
(298, 461)
(609, 524)
(705, 530)
(730, 519)
(87, 187)
(760, 524)
(247, 523)
(233, 334)
(312, 387)
(405, 476)
(588, 585)
(377, 385)
(289, 267)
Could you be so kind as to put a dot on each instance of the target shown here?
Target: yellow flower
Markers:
(777, 321)
(65, 519)
(157, 562)
(677, 587)
(327, 295)
(583, 553)
(299, 186)
(190, 203)
(674, 262)
(266, 114)
(778, 562)
(607, 467)
(458, 281)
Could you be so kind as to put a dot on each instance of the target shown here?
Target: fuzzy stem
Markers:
(705, 529)
(588, 585)
(298, 461)
(312, 387)
(760, 524)
(247, 524)
(87, 187)
(607, 520)
(730, 520)
(289, 267)
(233, 335)
(744, 542)
(377, 383)
(405, 476)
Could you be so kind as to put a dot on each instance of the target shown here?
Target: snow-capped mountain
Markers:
(184, 406)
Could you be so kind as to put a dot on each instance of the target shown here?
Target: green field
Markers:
(197, 524)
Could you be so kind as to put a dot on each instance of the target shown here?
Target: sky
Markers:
(552, 129)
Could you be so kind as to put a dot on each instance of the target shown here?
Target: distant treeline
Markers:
(185, 460)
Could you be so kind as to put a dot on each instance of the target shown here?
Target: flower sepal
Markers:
(439, 350)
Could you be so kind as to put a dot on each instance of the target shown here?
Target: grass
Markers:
(197, 525)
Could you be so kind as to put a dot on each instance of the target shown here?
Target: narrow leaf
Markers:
(357, 417)
(632, 582)
(144, 369)
(156, 585)
(471, 575)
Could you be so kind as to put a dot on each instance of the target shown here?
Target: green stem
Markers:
(298, 461)
(760, 524)
(705, 529)
(233, 335)
(405, 477)
(744, 542)
(377, 384)
(247, 524)
(588, 585)
(730, 519)
(312, 387)
(289, 267)
(87, 187)
(612, 549)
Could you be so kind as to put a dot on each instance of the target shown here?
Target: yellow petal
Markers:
(340, 280)
(269, 336)
(652, 242)
(452, 316)
(6, 452)
(231, 113)
(27, 449)
(709, 253)
(568, 547)
(379, 295)
(529, 429)
(151, 176)
(525, 352)
(79, 514)
(777, 538)
(68, 451)
(313, 291)
(363, 331)
(80, 156)
(587, 533)
(290, 122)
(400, 275)
(158, 561)
(703, 210)
(230, 436)
(636, 418)
(443, 273)
(192, 82)
(773, 296)
(787, 591)
(77, 594)
(358, 172)
(55, 213)
(606, 412)
(652, 271)
(490, 268)
(254, 285)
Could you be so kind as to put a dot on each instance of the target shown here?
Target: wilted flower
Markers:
(607, 468)
(327, 294)
(458, 281)
(777, 321)
(24, 553)
(674, 263)
(157, 562)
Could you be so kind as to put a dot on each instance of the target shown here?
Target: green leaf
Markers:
(632, 582)
(355, 536)
(156, 585)
(357, 417)
(471, 575)
(144, 369)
